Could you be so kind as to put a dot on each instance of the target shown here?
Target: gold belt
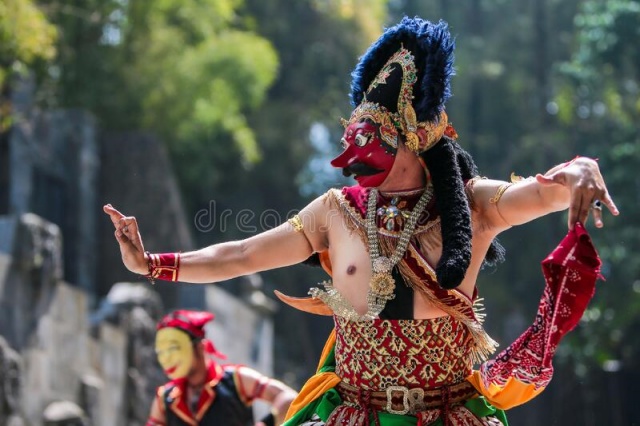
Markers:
(402, 400)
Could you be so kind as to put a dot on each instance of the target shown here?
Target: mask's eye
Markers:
(361, 140)
(343, 143)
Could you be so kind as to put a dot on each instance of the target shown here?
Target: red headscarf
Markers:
(191, 322)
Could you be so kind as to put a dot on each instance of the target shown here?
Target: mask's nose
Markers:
(345, 158)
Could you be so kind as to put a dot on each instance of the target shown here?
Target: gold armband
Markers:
(499, 193)
(502, 188)
(296, 222)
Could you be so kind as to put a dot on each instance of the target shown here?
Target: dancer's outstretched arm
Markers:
(288, 244)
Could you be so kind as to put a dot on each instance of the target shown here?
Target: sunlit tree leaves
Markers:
(26, 36)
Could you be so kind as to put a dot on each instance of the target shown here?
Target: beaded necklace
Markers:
(382, 285)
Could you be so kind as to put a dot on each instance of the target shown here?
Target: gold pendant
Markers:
(382, 284)
(382, 265)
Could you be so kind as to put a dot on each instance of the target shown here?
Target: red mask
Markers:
(365, 154)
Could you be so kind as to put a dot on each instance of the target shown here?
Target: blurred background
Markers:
(211, 120)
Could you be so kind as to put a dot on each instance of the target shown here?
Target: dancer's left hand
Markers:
(587, 189)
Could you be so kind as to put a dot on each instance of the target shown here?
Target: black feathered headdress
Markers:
(406, 75)
(432, 48)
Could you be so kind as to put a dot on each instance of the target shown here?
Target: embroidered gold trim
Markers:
(484, 345)
(351, 217)
(336, 301)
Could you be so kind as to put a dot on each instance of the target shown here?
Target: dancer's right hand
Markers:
(128, 237)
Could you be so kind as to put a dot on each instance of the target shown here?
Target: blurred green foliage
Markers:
(601, 80)
(26, 38)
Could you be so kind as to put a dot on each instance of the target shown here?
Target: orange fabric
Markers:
(325, 261)
(315, 387)
(318, 384)
(512, 394)
(328, 346)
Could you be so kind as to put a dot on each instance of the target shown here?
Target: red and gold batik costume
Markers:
(420, 372)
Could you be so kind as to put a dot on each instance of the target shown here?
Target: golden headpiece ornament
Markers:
(399, 70)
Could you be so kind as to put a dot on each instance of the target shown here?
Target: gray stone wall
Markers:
(136, 177)
(53, 173)
(76, 337)
(64, 363)
(33, 268)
